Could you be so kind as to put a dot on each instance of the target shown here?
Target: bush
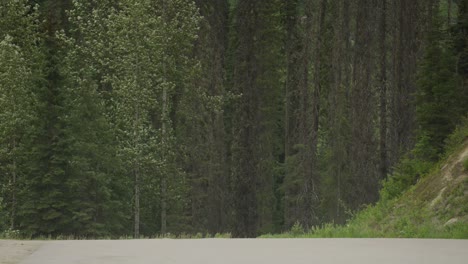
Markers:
(405, 175)
(222, 235)
(297, 229)
(457, 138)
(11, 234)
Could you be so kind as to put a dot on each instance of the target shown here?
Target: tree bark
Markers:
(164, 177)
(449, 12)
(13, 189)
(137, 203)
(313, 178)
(164, 140)
(246, 122)
(383, 91)
(136, 175)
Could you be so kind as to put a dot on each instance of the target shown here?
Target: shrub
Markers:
(11, 234)
(297, 229)
(222, 235)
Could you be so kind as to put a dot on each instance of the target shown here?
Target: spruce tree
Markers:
(441, 95)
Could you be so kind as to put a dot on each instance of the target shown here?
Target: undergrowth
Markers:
(18, 235)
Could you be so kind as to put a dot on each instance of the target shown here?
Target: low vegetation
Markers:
(17, 235)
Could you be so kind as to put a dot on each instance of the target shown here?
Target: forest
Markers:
(150, 117)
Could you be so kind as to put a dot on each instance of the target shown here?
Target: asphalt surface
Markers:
(244, 251)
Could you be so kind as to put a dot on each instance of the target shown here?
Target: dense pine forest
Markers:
(149, 117)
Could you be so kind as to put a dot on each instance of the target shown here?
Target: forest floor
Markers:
(13, 251)
(234, 251)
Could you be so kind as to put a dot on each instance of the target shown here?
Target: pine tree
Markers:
(336, 156)
(256, 118)
(460, 42)
(307, 72)
(407, 32)
(45, 212)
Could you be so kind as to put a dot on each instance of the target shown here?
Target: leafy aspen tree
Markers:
(133, 90)
(16, 100)
(180, 19)
(20, 69)
(92, 171)
(151, 44)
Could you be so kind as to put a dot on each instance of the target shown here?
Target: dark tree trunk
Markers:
(245, 132)
(383, 91)
(210, 195)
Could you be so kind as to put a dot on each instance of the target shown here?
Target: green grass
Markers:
(385, 221)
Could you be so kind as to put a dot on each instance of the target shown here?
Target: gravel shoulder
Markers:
(13, 251)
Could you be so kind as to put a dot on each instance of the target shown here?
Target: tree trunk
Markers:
(13, 189)
(363, 175)
(137, 202)
(164, 177)
(136, 174)
(208, 141)
(164, 141)
(383, 91)
(449, 12)
(246, 122)
(312, 178)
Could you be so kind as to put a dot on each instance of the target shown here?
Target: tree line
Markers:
(148, 117)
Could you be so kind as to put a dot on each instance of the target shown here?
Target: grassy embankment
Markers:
(436, 206)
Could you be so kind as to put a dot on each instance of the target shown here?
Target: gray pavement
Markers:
(245, 251)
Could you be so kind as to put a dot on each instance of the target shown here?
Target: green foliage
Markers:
(254, 118)
(408, 223)
(441, 109)
(405, 175)
(297, 229)
(441, 96)
(10, 234)
(222, 235)
(420, 161)
(458, 137)
(21, 66)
